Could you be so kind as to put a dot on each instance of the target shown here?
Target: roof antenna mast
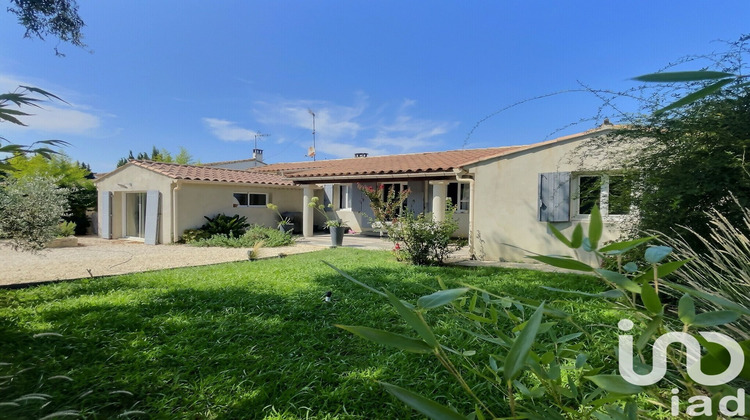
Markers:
(313, 132)
(258, 134)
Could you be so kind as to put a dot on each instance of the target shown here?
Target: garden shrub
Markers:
(65, 229)
(423, 240)
(417, 238)
(254, 235)
(31, 210)
(221, 224)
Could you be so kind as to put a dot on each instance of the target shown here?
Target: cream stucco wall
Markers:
(195, 200)
(506, 200)
(133, 179)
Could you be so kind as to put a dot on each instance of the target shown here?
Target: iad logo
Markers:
(701, 404)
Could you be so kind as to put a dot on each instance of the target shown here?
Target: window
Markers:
(250, 200)
(396, 188)
(345, 196)
(459, 195)
(240, 200)
(612, 193)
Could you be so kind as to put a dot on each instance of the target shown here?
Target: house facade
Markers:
(504, 196)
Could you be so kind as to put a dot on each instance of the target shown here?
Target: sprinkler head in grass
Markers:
(327, 296)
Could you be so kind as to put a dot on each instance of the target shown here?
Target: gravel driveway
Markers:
(99, 257)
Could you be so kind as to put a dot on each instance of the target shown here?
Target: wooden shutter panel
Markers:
(327, 194)
(152, 217)
(554, 197)
(105, 214)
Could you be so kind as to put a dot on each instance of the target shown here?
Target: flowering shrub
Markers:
(417, 238)
(385, 207)
(425, 241)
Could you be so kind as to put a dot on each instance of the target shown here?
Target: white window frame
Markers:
(345, 196)
(248, 194)
(603, 196)
(463, 196)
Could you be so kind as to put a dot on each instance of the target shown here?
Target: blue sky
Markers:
(382, 77)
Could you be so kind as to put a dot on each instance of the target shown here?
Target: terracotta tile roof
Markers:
(201, 173)
(385, 165)
(224, 162)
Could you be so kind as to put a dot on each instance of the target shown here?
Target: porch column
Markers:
(439, 193)
(307, 211)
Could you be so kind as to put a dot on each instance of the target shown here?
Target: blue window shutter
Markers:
(151, 233)
(105, 214)
(327, 194)
(554, 197)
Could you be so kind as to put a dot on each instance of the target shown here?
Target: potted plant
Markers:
(337, 226)
(285, 224)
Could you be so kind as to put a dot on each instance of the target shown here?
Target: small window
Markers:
(250, 200)
(240, 200)
(612, 193)
(458, 193)
(590, 192)
(345, 197)
(257, 199)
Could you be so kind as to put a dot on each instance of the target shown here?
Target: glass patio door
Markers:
(135, 219)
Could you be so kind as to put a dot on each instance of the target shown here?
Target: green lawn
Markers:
(239, 340)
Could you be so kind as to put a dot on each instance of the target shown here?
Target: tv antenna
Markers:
(258, 134)
(310, 111)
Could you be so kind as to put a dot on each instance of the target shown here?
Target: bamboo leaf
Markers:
(699, 94)
(650, 330)
(625, 246)
(577, 239)
(413, 319)
(387, 338)
(521, 347)
(595, 227)
(620, 280)
(650, 299)
(560, 237)
(686, 309)
(615, 384)
(561, 262)
(654, 254)
(683, 76)
(440, 298)
(712, 319)
(421, 404)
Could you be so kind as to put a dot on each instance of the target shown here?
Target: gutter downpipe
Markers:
(175, 186)
(460, 173)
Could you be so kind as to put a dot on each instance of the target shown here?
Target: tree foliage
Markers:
(183, 157)
(692, 162)
(42, 18)
(73, 176)
(10, 112)
(31, 209)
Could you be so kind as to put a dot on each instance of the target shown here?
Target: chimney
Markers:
(258, 155)
(360, 155)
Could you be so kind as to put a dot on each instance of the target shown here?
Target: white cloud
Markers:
(228, 130)
(343, 130)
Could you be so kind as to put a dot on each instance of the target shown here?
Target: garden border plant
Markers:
(546, 375)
